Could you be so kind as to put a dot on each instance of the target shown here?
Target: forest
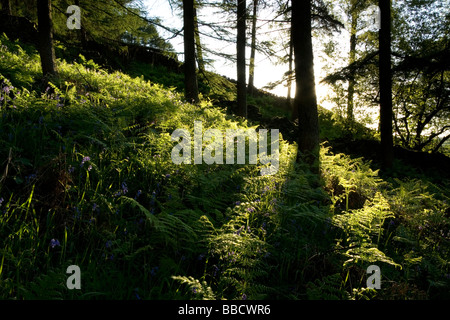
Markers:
(131, 168)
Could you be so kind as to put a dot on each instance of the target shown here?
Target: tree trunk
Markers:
(387, 144)
(6, 7)
(251, 72)
(82, 33)
(305, 95)
(190, 75)
(351, 82)
(289, 81)
(46, 48)
(241, 66)
(198, 45)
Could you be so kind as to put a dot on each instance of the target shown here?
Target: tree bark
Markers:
(241, 66)
(46, 48)
(6, 7)
(251, 72)
(82, 32)
(190, 74)
(351, 82)
(387, 143)
(289, 80)
(305, 95)
(198, 45)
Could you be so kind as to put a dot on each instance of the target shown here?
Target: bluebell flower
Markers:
(30, 178)
(108, 244)
(7, 89)
(77, 214)
(54, 243)
(154, 271)
(251, 209)
(216, 269)
(244, 296)
(201, 256)
(124, 188)
(138, 193)
(85, 159)
(1, 201)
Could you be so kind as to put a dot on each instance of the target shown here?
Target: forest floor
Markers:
(87, 179)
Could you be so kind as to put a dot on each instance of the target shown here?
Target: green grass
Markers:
(87, 163)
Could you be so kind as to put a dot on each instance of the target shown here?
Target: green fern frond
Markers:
(199, 290)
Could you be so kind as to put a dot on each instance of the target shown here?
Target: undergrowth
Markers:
(87, 179)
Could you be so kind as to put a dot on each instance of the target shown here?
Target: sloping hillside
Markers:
(87, 179)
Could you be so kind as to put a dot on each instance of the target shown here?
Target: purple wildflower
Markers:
(31, 177)
(239, 231)
(139, 192)
(7, 89)
(54, 243)
(216, 269)
(154, 271)
(85, 159)
(124, 188)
